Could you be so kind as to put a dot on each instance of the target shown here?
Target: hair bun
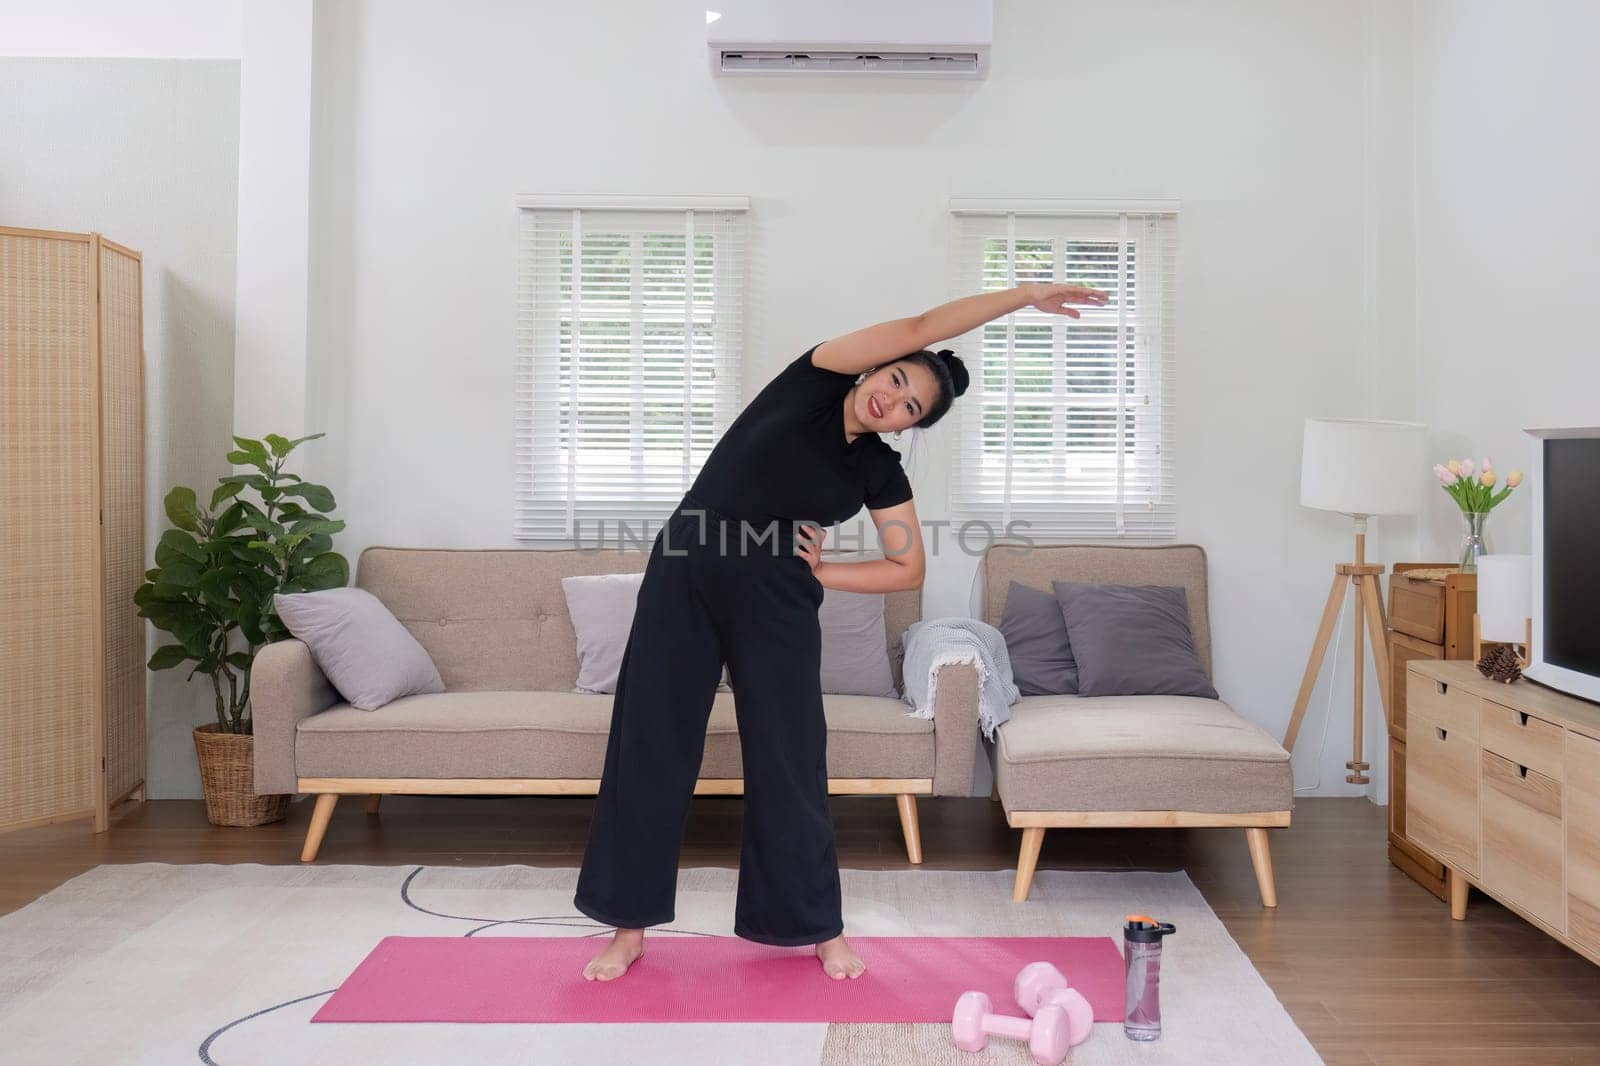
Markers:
(958, 370)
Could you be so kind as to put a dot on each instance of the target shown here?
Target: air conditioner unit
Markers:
(884, 38)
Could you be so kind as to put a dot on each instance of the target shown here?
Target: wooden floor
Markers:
(1368, 964)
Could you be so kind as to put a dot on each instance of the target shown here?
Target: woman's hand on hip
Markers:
(808, 545)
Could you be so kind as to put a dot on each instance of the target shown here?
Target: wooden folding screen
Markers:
(72, 646)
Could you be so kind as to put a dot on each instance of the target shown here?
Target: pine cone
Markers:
(1500, 664)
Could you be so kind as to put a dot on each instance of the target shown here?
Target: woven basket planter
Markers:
(227, 773)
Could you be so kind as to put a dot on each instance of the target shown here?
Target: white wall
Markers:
(146, 152)
(431, 120)
(147, 29)
(1287, 134)
(1507, 232)
(273, 289)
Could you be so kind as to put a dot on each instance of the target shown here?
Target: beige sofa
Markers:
(1131, 761)
(496, 624)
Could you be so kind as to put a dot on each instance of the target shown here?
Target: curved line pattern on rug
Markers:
(490, 923)
(545, 919)
(205, 1046)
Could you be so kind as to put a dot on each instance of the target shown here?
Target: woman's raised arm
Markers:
(873, 346)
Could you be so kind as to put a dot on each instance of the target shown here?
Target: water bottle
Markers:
(1141, 957)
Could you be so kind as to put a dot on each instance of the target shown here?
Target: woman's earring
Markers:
(897, 434)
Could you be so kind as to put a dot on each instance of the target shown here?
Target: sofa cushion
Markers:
(602, 607)
(855, 657)
(1039, 565)
(564, 734)
(1037, 644)
(361, 648)
(1138, 753)
(1132, 640)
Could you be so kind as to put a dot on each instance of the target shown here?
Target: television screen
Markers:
(1571, 561)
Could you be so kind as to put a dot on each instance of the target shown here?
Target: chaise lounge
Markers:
(1131, 761)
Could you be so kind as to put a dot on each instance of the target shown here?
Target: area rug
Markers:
(226, 964)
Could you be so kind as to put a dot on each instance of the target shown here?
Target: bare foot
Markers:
(839, 961)
(625, 948)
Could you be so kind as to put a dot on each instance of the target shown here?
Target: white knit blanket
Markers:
(931, 643)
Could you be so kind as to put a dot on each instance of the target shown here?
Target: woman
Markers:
(736, 576)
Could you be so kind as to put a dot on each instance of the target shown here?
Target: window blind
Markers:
(629, 342)
(1067, 424)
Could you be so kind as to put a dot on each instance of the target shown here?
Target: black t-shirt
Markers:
(785, 457)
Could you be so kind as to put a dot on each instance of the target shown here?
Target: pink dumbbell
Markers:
(1047, 1033)
(1039, 983)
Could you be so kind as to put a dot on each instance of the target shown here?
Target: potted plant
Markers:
(216, 572)
(1474, 492)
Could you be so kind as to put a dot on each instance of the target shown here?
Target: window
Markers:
(629, 339)
(1067, 424)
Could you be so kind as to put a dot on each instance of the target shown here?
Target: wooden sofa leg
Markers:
(373, 801)
(908, 825)
(1261, 859)
(1032, 839)
(319, 825)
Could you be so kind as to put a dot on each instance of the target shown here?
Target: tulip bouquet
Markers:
(1474, 489)
(1474, 492)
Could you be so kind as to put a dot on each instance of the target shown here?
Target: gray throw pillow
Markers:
(1132, 640)
(855, 646)
(1037, 642)
(601, 607)
(361, 647)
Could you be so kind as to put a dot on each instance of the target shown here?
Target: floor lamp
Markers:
(1358, 467)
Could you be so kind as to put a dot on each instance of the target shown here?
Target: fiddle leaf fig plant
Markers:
(219, 566)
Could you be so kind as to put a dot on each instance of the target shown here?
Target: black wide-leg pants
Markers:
(716, 589)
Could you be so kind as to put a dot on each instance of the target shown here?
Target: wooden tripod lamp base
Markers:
(1370, 626)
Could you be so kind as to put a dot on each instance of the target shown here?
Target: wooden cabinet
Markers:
(1430, 619)
(1502, 788)
(1582, 766)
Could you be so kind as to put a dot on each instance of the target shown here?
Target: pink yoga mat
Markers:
(707, 979)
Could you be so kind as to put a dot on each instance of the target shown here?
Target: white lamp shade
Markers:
(1505, 597)
(1361, 466)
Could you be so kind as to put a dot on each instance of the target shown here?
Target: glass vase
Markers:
(1474, 540)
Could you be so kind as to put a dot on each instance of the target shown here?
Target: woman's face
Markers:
(895, 396)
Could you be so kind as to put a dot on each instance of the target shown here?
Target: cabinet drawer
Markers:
(1448, 705)
(1522, 738)
(1583, 840)
(1404, 650)
(1522, 839)
(1416, 608)
(1442, 791)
